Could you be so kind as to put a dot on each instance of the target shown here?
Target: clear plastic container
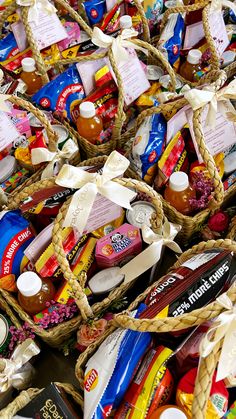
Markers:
(191, 65)
(30, 77)
(89, 125)
(33, 292)
(179, 192)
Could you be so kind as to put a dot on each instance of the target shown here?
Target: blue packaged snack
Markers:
(171, 39)
(111, 369)
(232, 16)
(95, 9)
(62, 93)
(148, 147)
(16, 234)
(8, 47)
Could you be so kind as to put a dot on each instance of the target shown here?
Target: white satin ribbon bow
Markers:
(13, 374)
(224, 327)
(3, 106)
(151, 255)
(219, 4)
(118, 44)
(89, 184)
(217, 101)
(35, 6)
(40, 155)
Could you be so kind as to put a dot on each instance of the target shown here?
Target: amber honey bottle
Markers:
(89, 125)
(30, 77)
(179, 192)
(191, 65)
(33, 292)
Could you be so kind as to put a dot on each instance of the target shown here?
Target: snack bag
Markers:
(148, 146)
(110, 370)
(151, 387)
(171, 39)
(16, 235)
(95, 10)
(62, 93)
(217, 403)
(8, 47)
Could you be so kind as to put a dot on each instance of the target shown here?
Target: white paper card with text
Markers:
(217, 139)
(8, 132)
(218, 31)
(193, 34)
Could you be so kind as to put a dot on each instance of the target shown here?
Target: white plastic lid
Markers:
(172, 413)
(194, 56)
(87, 109)
(154, 72)
(8, 166)
(179, 181)
(126, 22)
(105, 280)
(228, 58)
(28, 64)
(29, 284)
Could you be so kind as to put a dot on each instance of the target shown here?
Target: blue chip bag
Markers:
(232, 16)
(148, 147)
(16, 234)
(95, 9)
(8, 47)
(171, 39)
(63, 93)
(111, 369)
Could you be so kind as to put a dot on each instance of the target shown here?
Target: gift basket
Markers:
(170, 314)
(24, 151)
(213, 46)
(188, 149)
(64, 399)
(70, 257)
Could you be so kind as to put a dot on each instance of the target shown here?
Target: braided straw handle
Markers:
(187, 320)
(146, 31)
(9, 312)
(51, 134)
(20, 401)
(76, 285)
(232, 229)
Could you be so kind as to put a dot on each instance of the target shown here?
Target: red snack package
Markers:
(217, 404)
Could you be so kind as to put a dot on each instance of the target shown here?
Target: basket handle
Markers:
(232, 229)
(184, 321)
(52, 136)
(77, 286)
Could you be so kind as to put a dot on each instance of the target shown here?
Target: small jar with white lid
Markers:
(179, 192)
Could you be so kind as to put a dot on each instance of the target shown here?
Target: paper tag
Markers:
(176, 123)
(103, 212)
(87, 70)
(48, 31)
(193, 34)
(196, 261)
(20, 35)
(133, 77)
(217, 139)
(8, 132)
(218, 31)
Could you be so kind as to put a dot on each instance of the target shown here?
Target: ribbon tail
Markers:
(117, 193)
(48, 172)
(211, 115)
(227, 360)
(141, 263)
(80, 207)
(173, 246)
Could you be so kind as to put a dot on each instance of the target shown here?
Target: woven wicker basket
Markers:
(192, 225)
(232, 229)
(52, 139)
(169, 324)
(215, 59)
(41, 66)
(58, 334)
(27, 395)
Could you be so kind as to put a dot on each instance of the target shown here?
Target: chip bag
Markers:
(171, 39)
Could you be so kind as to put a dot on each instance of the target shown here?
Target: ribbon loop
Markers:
(224, 327)
(41, 154)
(13, 374)
(151, 255)
(118, 44)
(89, 184)
(216, 101)
(34, 8)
